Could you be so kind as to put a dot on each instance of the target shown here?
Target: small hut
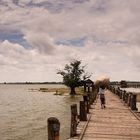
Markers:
(88, 85)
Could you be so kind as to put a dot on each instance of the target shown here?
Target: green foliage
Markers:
(73, 74)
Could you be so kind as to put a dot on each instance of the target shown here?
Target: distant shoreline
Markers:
(111, 82)
(26, 83)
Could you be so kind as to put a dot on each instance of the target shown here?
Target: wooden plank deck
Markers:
(115, 122)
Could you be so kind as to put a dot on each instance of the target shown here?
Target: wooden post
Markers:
(89, 100)
(126, 97)
(83, 113)
(92, 97)
(85, 97)
(74, 120)
(133, 102)
(123, 95)
(53, 128)
(94, 94)
(111, 88)
(120, 94)
(114, 90)
(129, 99)
(118, 89)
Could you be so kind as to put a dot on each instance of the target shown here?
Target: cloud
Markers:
(13, 54)
(40, 41)
(27, 65)
(40, 36)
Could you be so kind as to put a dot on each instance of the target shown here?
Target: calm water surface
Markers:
(24, 112)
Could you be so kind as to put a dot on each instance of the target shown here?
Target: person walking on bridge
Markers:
(101, 93)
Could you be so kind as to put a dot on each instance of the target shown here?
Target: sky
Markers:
(38, 37)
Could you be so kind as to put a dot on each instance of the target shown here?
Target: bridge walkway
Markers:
(115, 122)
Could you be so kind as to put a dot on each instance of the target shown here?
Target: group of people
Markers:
(101, 94)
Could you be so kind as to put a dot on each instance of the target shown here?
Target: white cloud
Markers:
(111, 30)
(40, 41)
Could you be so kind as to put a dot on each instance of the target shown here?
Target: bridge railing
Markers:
(133, 85)
(129, 98)
(127, 84)
(84, 107)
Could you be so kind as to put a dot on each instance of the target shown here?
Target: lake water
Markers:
(24, 112)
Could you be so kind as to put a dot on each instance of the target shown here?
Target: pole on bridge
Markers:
(126, 97)
(53, 128)
(86, 100)
(124, 94)
(121, 94)
(89, 95)
(83, 113)
(133, 102)
(129, 98)
(74, 120)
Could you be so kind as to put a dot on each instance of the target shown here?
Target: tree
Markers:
(73, 75)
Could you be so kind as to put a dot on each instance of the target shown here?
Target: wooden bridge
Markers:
(115, 122)
(118, 121)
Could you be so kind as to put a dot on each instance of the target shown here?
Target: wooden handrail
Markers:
(129, 98)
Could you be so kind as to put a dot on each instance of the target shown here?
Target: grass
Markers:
(61, 91)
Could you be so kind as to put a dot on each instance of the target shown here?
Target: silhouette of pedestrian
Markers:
(102, 96)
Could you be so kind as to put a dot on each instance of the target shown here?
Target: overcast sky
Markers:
(37, 37)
